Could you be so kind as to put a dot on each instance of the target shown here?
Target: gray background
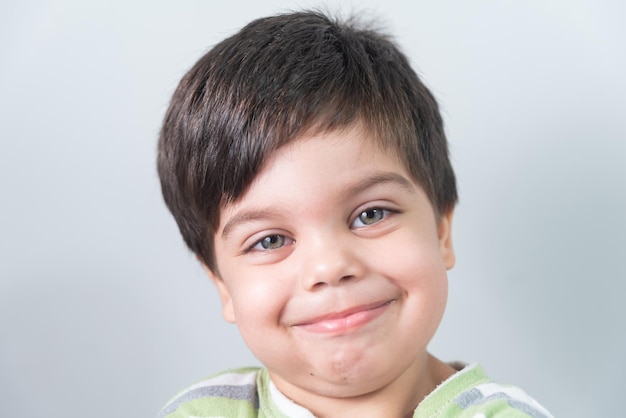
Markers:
(103, 311)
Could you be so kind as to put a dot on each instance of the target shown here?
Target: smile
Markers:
(345, 321)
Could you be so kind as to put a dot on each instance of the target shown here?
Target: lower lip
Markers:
(346, 323)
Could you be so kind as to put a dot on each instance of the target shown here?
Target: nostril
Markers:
(322, 284)
(330, 266)
(346, 278)
(319, 285)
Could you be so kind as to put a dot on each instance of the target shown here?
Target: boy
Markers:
(307, 168)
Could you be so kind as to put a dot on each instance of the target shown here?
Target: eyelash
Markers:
(271, 236)
(386, 212)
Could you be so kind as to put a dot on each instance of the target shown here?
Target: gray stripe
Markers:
(239, 392)
(474, 397)
(468, 398)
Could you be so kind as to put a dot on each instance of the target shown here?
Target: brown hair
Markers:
(274, 80)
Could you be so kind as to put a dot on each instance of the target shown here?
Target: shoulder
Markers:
(471, 393)
(230, 393)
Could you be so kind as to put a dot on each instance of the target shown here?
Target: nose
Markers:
(330, 261)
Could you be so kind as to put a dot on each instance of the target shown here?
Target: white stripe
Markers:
(287, 406)
(227, 379)
(515, 393)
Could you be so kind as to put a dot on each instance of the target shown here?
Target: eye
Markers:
(270, 242)
(370, 217)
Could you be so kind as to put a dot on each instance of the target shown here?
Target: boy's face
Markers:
(333, 265)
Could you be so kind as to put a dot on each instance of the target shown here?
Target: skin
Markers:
(333, 265)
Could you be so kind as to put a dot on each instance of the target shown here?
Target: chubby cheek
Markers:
(258, 303)
(420, 273)
(410, 256)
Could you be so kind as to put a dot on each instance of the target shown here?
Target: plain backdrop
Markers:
(105, 313)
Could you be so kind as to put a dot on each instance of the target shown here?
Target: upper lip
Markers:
(344, 313)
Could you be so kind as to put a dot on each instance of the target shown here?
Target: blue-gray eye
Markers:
(271, 242)
(369, 217)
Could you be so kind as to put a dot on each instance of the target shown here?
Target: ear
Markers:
(445, 239)
(228, 311)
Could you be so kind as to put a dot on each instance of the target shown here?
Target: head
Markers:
(277, 80)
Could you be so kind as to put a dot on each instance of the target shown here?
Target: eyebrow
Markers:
(375, 179)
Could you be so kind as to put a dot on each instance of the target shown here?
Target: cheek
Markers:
(258, 310)
(258, 301)
(410, 259)
(419, 271)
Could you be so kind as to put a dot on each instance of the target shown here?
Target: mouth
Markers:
(346, 320)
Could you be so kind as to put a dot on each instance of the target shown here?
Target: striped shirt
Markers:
(249, 392)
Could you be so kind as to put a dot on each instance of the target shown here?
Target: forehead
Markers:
(365, 147)
(314, 150)
(341, 161)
